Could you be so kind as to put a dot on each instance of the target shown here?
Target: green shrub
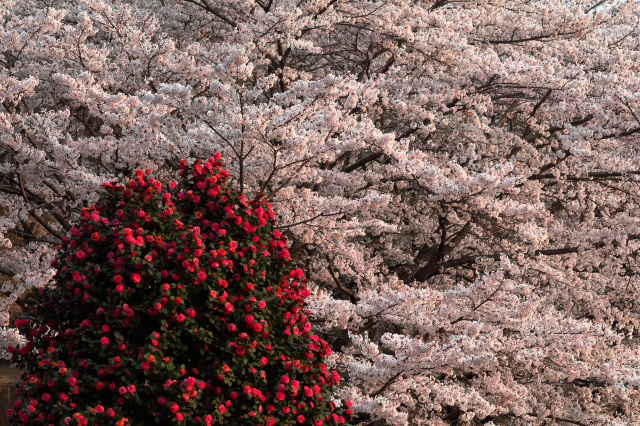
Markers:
(174, 304)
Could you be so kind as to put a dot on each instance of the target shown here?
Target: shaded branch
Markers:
(337, 280)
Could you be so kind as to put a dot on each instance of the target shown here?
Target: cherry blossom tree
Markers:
(459, 179)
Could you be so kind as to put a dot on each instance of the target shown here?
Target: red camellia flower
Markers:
(135, 277)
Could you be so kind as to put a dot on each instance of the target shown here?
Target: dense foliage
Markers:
(459, 179)
(174, 313)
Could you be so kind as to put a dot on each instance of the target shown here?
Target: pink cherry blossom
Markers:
(458, 180)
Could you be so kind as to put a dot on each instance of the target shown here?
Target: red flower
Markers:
(104, 340)
(117, 279)
(222, 408)
(180, 318)
(135, 277)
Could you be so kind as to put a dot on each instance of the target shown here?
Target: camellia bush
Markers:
(174, 304)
